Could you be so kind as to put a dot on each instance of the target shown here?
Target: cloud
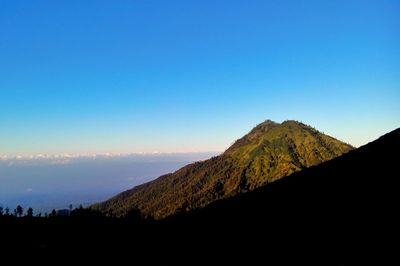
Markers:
(28, 190)
(60, 162)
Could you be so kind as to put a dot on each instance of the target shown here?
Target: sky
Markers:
(183, 76)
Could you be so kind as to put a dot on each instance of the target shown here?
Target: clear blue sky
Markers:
(128, 76)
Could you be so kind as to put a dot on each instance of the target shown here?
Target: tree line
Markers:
(79, 212)
(19, 212)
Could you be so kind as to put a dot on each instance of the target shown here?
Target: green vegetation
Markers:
(267, 153)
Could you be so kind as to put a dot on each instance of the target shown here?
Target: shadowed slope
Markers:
(344, 207)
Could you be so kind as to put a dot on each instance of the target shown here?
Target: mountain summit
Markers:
(268, 152)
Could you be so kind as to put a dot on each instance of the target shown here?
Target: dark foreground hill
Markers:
(267, 153)
(344, 208)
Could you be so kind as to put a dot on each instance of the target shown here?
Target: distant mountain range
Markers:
(267, 153)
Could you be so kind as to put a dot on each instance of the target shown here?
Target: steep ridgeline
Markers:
(269, 152)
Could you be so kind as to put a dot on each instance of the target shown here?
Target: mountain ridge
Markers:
(267, 153)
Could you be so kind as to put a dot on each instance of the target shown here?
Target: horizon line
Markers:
(44, 156)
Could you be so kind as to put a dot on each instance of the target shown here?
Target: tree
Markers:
(53, 213)
(19, 211)
(70, 207)
(7, 211)
(29, 213)
(1, 211)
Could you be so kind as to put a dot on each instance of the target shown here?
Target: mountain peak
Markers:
(271, 130)
(268, 122)
(293, 122)
(265, 126)
(254, 134)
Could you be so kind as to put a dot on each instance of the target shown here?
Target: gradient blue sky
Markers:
(129, 76)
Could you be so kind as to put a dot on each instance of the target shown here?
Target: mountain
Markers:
(345, 207)
(362, 181)
(267, 153)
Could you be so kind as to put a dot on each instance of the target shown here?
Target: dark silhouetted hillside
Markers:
(347, 206)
